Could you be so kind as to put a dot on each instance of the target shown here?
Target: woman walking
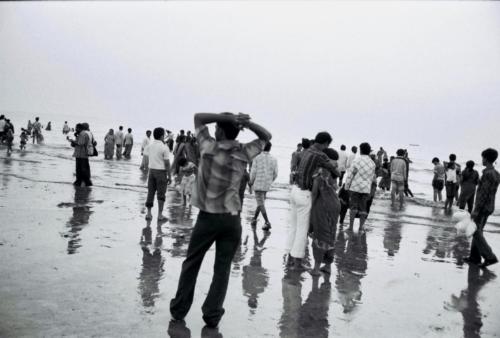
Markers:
(109, 145)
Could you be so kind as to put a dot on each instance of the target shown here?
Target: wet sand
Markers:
(84, 262)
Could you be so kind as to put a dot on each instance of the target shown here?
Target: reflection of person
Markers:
(255, 277)
(221, 168)
(152, 267)
(292, 301)
(351, 260)
(313, 319)
(467, 303)
(484, 207)
(79, 218)
(392, 237)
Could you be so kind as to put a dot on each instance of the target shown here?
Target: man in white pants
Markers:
(300, 198)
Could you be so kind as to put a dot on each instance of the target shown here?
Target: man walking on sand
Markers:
(262, 175)
(398, 178)
(159, 173)
(128, 142)
(221, 168)
(119, 142)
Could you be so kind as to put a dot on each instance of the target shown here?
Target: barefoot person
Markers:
(484, 207)
(144, 153)
(398, 178)
(159, 173)
(324, 216)
(221, 168)
(119, 142)
(128, 143)
(468, 184)
(438, 180)
(262, 175)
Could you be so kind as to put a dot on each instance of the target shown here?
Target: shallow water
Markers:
(85, 262)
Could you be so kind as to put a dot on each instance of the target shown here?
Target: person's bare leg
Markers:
(149, 216)
(352, 217)
(401, 200)
(440, 196)
(160, 211)
(362, 220)
(315, 271)
(393, 196)
(435, 195)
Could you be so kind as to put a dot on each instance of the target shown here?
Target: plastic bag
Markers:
(466, 227)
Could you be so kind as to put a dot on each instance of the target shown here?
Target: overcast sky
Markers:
(387, 72)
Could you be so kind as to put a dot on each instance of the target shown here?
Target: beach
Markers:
(84, 262)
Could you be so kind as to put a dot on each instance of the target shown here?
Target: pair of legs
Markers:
(300, 211)
(82, 172)
(157, 183)
(128, 151)
(480, 247)
(397, 188)
(145, 162)
(341, 178)
(462, 202)
(322, 254)
(358, 207)
(260, 198)
(407, 190)
(225, 231)
(450, 195)
(118, 151)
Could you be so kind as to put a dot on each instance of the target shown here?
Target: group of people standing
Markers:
(123, 143)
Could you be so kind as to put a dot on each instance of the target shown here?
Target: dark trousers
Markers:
(341, 178)
(225, 231)
(82, 172)
(480, 248)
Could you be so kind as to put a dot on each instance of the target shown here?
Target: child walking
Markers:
(187, 171)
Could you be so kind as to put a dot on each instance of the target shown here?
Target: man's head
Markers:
(148, 133)
(342, 147)
(268, 146)
(158, 133)
(400, 152)
(299, 147)
(365, 148)
(381, 148)
(354, 149)
(435, 160)
(78, 127)
(188, 133)
(120, 128)
(37, 118)
(129, 130)
(182, 132)
(306, 143)
(469, 165)
(489, 156)
(453, 157)
(323, 139)
(85, 126)
(2, 117)
(65, 122)
(226, 130)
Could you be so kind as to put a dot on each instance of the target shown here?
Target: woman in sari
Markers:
(109, 145)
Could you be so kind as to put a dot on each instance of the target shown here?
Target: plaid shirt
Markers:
(264, 172)
(486, 191)
(360, 175)
(221, 168)
(309, 161)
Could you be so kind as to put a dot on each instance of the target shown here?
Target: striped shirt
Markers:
(220, 170)
(264, 172)
(310, 160)
(360, 175)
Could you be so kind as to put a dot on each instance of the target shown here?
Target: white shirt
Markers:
(145, 143)
(158, 153)
(119, 137)
(129, 139)
(350, 159)
(342, 161)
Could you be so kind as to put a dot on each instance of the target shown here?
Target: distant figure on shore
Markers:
(342, 163)
(217, 197)
(484, 207)
(144, 152)
(452, 170)
(81, 143)
(29, 127)
(119, 142)
(300, 198)
(128, 142)
(398, 178)
(324, 217)
(159, 173)
(170, 140)
(381, 154)
(385, 173)
(49, 126)
(262, 175)
(2, 128)
(37, 131)
(24, 139)
(458, 169)
(359, 183)
(9, 138)
(438, 179)
(352, 156)
(294, 161)
(187, 171)
(109, 145)
(470, 180)
(407, 190)
(66, 129)
(181, 138)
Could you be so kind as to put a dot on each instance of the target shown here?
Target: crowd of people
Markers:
(212, 173)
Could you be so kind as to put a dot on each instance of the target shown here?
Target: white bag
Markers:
(466, 227)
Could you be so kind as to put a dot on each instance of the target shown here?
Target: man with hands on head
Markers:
(221, 168)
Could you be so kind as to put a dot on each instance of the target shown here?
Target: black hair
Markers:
(158, 133)
(268, 146)
(230, 130)
(342, 147)
(129, 130)
(183, 161)
(365, 148)
(85, 126)
(470, 164)
(299, 145)
(120, 127)
(323, 137)
(306, 143)
(354, 149)
(400, 152)
(37, 118)
(490, 155)
(453, 157)
(435, 159)
(148, 131)
(331, 153)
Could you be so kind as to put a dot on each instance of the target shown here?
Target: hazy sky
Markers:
(386, 72)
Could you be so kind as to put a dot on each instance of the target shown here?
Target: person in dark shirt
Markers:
(484, 207)
(470, 179)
